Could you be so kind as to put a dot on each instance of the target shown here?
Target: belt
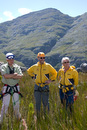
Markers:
(42, 89)
(41, 84)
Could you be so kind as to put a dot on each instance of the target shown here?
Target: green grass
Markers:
(58, 118)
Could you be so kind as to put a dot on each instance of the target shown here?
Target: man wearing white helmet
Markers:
(11, 73)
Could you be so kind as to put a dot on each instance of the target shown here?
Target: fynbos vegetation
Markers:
(57, 119)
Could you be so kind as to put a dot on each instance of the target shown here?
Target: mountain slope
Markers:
(47, 30)
(74, 42)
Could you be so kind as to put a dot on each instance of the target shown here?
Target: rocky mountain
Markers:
(47, 30)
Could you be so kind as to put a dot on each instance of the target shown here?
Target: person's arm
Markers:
(48, 81)
(9, 76)
(75, 74)
(31, 72)
(12, 76)
(16, 75)
(53, 75)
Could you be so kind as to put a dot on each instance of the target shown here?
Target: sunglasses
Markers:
(10, 58)
(42, 57)
(65, 62)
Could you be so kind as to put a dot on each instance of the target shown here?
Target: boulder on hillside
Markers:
(23, 69)
(79, 69)
(83, 67)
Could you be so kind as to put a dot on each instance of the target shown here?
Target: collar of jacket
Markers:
(11, 66)
(70, 68)
(41, 64)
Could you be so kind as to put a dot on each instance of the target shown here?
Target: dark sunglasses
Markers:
(65, 62)
(42, 57)
(10, 58)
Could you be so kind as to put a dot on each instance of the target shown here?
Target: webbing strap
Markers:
(11, 70)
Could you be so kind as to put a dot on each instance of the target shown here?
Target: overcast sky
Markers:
(11, 9)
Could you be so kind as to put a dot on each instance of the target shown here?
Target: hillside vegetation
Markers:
(47, 30)
(58, 118)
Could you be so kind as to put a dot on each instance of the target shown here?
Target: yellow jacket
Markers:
(42, 72)
(68, 78)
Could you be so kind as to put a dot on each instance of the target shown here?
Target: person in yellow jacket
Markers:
(43, 73)
(68, 81)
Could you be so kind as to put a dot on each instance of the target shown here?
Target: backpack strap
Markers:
(11, 70)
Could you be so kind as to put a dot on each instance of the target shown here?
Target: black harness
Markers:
(10, 90)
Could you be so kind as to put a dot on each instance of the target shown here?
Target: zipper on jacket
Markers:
(64, 79)
(41, 74)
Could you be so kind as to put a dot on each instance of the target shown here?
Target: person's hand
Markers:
(48, 81)
(33, 77)
(15, 74)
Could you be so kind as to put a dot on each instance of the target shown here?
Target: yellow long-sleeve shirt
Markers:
(42, 72)
(70, 77)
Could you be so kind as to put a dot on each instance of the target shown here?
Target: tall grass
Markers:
(57, 118)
